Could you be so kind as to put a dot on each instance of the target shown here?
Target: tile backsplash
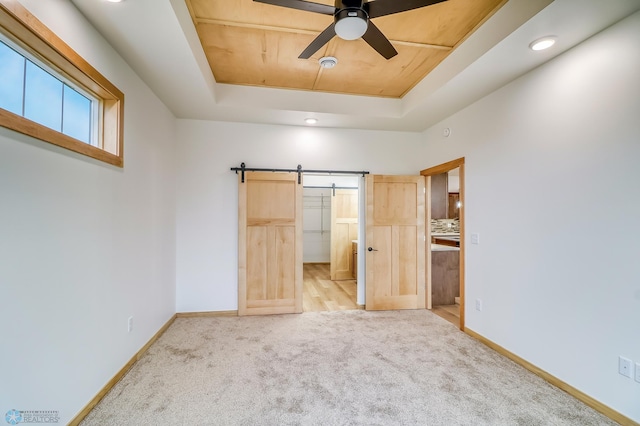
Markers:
(439, 226)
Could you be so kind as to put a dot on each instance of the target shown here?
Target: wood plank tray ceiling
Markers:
(256, 44)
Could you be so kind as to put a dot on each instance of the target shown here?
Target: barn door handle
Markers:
(371, 249)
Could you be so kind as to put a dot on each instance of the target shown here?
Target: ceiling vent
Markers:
(328, 62)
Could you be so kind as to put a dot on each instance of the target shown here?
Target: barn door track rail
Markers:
(243, 168)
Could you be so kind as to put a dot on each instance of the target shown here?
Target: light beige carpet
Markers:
(331, 368)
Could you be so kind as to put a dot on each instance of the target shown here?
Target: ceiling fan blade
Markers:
(302, 5)
(379, 8)
(322, 39)
(378, 41)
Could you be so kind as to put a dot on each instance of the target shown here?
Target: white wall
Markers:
(453, 184)
(83, 245)
(207, 199)
(557, 263)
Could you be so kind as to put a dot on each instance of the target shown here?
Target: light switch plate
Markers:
(625, 366)
(475, 238)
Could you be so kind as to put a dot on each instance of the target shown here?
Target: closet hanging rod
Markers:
(330, 187)
(333, 187)
(298, 170)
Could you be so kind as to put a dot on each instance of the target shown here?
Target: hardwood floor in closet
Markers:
(449, 312)
(322, 294)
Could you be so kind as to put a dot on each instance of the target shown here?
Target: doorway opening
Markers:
(445, 245)
(330, 239)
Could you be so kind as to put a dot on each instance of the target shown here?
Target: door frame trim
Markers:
(443, 168)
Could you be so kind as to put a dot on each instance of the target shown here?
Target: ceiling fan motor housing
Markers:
(351, 23)
(349, 4)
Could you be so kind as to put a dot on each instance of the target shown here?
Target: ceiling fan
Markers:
(352, 20)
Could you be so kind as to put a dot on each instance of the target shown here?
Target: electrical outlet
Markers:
(624, 366)
(638, 372)
(130, 325)
(479, 305)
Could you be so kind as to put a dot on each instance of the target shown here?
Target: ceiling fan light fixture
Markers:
(543, 43)
(351, 24)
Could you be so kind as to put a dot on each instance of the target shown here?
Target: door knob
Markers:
(371, 249)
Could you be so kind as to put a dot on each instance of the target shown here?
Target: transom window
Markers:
(49, 92)
(31, 91)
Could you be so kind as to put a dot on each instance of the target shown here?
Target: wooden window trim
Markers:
(17, 23)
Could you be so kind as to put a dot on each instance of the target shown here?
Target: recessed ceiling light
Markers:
(543, 43)
(114, 1)
(328, 62)
(311, 120)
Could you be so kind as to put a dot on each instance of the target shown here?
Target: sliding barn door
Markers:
(344, 229)
(395, 242)
(270, 244)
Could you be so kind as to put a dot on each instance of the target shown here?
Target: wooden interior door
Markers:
(344, 229)
(395, 242)
(269, 244)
